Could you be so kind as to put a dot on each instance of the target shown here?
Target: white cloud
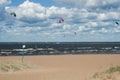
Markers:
(102, 16)
(91, 4)
(109, 16)
(67, 27)
(30, 12)
(4, 2)
(92, 24)
(82, 28)
(103, 30)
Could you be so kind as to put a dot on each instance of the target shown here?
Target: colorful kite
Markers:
(60, 20)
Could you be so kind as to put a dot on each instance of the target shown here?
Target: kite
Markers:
(13, 14)
(60, 20)
(75, 33)
(117, 23)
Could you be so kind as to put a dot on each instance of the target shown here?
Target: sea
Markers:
(58, 48)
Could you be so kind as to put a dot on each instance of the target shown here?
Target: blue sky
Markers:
(42, 2)
(37, 21)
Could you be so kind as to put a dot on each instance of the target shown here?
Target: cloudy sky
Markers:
(37, 20)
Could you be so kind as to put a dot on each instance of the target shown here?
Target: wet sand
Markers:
(61, 67)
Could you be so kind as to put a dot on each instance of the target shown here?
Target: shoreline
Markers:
(65, 54)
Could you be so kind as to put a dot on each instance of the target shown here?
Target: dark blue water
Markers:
(53, 48)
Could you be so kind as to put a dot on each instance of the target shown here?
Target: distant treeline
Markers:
(53, 48)
(18, 45)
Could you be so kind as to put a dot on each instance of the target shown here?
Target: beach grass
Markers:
(113, 69)
(7, 66)
(112, 73)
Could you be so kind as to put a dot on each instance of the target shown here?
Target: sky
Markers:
(37, 21)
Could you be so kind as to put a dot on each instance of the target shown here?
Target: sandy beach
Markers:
(61, 67)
